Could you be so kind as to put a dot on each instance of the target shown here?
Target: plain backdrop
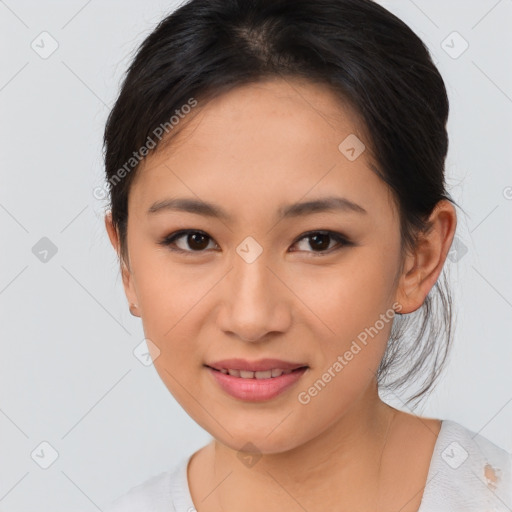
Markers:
(68, 374)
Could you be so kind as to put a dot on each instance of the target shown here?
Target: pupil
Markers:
(194, 244)
(315, 239)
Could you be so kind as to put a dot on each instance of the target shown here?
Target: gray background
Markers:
(68, 375)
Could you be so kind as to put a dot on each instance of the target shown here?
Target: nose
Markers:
(256, 302)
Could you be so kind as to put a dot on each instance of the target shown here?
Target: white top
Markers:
(467, 473)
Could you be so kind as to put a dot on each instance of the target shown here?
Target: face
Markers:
(306, 285)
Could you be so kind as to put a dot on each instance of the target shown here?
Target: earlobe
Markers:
(424, 265)
(134, 310)
(408, 287)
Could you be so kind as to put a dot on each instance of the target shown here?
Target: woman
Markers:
(276, 173)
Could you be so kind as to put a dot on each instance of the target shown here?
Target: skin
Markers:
(251, 151)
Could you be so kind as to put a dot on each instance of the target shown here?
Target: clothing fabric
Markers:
(467, 473)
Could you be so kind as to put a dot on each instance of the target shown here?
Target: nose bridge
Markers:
(251, 279)
(255, 304)
(251, 274)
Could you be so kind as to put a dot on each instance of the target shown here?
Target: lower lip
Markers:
(256, 390)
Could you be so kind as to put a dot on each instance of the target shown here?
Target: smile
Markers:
(256, 386)
(246, 374)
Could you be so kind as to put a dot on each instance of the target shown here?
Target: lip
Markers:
(254, 366)
(256, 390)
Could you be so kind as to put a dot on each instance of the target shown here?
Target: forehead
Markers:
(305, 109)
(262, 141)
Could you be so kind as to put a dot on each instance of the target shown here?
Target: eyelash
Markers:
(338, 237)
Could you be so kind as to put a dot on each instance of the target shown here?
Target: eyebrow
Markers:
(326, 204)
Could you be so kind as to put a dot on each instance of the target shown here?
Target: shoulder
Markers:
(156, 494)
(468, 472)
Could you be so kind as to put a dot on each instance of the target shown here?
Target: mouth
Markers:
(262, 374)
(256, 386)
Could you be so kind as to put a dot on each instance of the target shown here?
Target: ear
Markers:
(126, 274)
(423, 265)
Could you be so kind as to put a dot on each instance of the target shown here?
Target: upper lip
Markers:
(254, 366)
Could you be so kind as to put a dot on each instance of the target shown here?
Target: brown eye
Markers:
(197, 241)
(320, 241)
(190, 240)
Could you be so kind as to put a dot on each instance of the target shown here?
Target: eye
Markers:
(195, 241)
(320, 241)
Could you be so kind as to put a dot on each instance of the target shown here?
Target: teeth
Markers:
(245, 374)
(267, 374)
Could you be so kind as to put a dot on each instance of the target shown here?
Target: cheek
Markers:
(356, 309)
(353, 307)
(168, 296)
(351, 295)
